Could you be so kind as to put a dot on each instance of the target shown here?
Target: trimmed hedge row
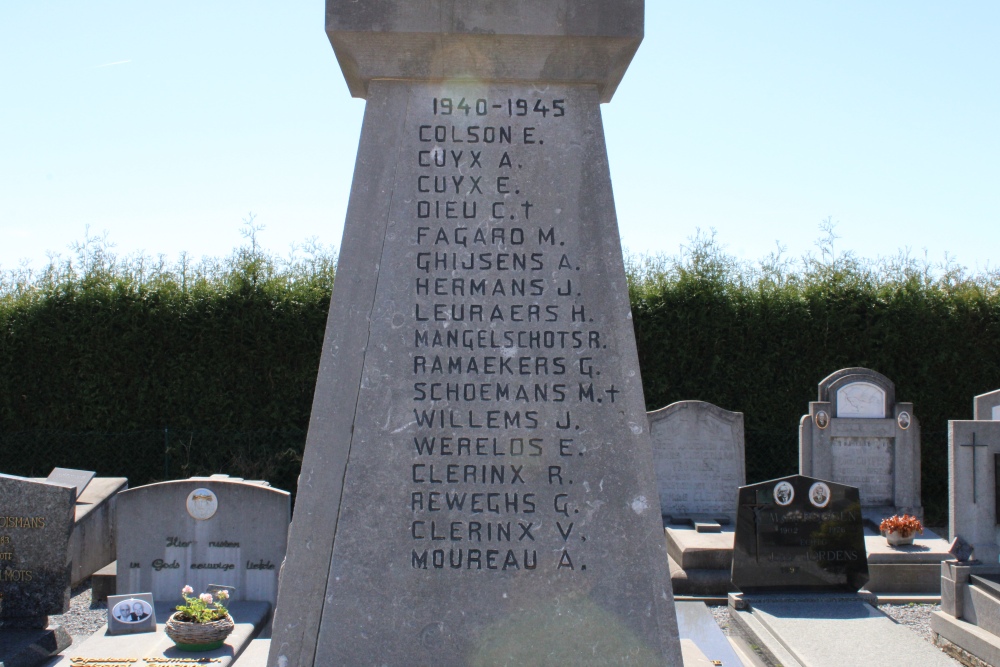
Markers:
(223, 354)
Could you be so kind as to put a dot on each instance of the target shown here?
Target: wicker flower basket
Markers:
(199, 636)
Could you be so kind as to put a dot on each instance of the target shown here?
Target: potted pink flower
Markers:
(202, 623)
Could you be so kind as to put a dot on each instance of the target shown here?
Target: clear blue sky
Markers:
(165, 124)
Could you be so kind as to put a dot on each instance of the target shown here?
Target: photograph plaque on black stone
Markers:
(799, 534)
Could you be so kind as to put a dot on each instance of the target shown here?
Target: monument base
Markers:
(970, 611)
(31, 647)
(827, 630)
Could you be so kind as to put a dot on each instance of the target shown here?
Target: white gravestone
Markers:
(199, 532)
(698, 452)
(974, 453)
(858, 434)
(987, 406)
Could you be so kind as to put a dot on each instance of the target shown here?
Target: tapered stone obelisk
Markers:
(477, 487)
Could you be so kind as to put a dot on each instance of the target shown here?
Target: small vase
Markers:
(199, 636)
(896, 539)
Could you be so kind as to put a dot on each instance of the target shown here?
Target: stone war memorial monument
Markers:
(478, 485)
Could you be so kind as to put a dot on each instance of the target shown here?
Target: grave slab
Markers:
(858, 434)
(155, 648)
(696, 623)
(426, 379)
(207, 531)
(829, 631)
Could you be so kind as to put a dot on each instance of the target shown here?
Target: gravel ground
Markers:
(85, 617)
(916, 617)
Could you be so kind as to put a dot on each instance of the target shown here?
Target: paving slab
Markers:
(814, 631)
(696, 623)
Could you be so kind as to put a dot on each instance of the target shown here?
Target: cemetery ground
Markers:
(86, 616)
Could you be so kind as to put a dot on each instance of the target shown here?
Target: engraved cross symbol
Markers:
(973, 446)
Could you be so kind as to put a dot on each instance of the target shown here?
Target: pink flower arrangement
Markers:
(204, 608)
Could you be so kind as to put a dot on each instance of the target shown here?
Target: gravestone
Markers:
(202, 531)
(698, 454)
(799, 534)
(35, 524)
(858, 434)
(987, 407)
(477, 485)
(973, 513)
(969, 619)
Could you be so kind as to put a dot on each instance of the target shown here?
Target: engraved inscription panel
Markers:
(495, 460)
(996, 413)
(861, 400)
(866, 463)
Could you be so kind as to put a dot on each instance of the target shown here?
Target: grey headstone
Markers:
(972, 493)
(858, 434)
(698, 454)
(131, 614)
(987, 406)
(380, 569)
(36, 520)
(71, 477)
(241, 543)
(960, 549)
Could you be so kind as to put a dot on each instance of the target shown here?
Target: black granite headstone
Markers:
(799, 534)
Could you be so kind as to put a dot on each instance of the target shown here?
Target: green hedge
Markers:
(139, 367)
